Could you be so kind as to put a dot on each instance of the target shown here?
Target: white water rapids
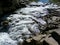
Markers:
(25, 23)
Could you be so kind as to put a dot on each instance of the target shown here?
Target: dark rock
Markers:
(7, 6)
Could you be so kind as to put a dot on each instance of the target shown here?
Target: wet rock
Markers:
(51, 41)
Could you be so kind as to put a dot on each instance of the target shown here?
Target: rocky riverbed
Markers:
(31, 25)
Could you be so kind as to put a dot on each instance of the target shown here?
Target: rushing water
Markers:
(25, 23)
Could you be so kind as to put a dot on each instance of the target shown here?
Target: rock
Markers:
(51, 41)
(7, 6)
(5, 23)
